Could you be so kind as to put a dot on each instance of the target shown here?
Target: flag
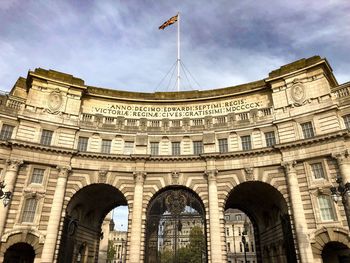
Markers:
(169, 22)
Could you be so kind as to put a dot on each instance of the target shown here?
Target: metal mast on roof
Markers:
(178, 51)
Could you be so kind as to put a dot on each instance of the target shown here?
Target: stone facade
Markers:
(70, 153)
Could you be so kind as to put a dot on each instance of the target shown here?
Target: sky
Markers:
(117, 44)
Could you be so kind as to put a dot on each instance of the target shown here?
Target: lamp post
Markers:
(5, 195)
(342, 192)
(244, 241)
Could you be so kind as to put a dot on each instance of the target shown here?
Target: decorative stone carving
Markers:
(175, 177)
(139, 176)
(289, 166)
(54, 101)
(298, 93)
(13, 164)
(249, 174)
(102, 176)
(211, 174)
(175, 202)
(63, 170)
(341, 157)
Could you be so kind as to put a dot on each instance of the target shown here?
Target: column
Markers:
(343, 164)
(214, 218)
(9, 181)
(55, 215)
(136, 220)
(303, 243)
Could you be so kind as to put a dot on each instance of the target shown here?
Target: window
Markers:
(238, 217)
(240, 247)
(176, 123)
(82, 144)
(46, 137)
(228, 247)
(106, 146)
(128, 147)
(347, 121)
(197, 147)
(326, 208)
(197, 122)
(308, 130)
(252, 246)
(317, 170)
(175, 148)
(246, 143)
(6, 132)
(154, 148)
(227, 231)
(29, 210)
(37, 176)
(270, 138)
(223, 146)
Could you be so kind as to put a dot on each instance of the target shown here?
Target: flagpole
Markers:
(178, 51)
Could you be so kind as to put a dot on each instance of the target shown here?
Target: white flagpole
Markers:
(178, 51)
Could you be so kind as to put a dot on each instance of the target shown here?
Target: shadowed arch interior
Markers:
(19, 252)
(268, 212)
(84, 216)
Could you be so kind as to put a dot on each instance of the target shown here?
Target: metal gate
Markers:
(175, 230)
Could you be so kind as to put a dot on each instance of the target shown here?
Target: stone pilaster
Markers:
(342, 159)
(9, 181)
(214, 218)
(300, 226)
(136, 220)
(55, 215)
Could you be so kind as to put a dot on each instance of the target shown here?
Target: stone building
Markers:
(273, 148)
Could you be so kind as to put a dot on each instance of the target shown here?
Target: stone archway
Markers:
(82, 224)
(19, 253)
(175, 227)
(268, 212)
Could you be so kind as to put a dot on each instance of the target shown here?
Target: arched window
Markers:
(326, 208)
(29, 210)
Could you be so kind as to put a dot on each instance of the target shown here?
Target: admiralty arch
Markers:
(276, 149)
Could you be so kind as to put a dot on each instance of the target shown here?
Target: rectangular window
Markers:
(29, 210)
(154, 148)
(317, 170)
(197, 147)
(223, 146)
(37, 176)
(326, 208)
(6, 132)
(175, 148)
(270, 138)
(46, 137)
(128, 147)
(347, 121)
(106, 146)
(82, 144)
(246, 143)
(308, 130)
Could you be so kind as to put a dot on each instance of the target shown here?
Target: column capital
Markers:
(211, 174)
(289, 166)
(63, 170)
(139, 176)
(341, 157)
(13, 164)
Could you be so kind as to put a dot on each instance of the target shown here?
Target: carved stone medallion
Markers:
(54, 101)
(298, 93)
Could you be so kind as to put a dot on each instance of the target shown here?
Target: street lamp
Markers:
(342, 192)
(244, 240)
(5, 195)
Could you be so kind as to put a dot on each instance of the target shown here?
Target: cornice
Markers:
(30, 145)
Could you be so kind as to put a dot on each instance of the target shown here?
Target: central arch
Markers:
(82, 224)
(268, 212)
(175, 228)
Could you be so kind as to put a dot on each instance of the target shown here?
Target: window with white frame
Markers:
(37, 176)
(6, 132)
(223, 145)
(29, 209)
(128, 147)
(246, 143)
(307, 129)
(197, 147)
(175, 148)
(326, 208)
(82, 144)
(46, 137)
(270, 138)
(317, 170)
(154, 148)
(346, 119)
(106, 146)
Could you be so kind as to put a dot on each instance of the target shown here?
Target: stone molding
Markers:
(211, 174)
(139, 177)
(13, 164)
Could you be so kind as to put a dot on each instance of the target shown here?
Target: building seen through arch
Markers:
(185, 164)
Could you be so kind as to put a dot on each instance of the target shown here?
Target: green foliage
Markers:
(110, 252)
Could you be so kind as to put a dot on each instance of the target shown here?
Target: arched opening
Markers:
(268, 213)
(19, 253)
(175, 229)
(85, 214)
(335, 252)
